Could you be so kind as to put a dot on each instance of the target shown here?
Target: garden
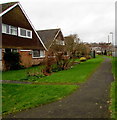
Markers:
(17, 97)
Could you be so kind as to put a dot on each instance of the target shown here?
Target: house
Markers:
(100, 48)
(51, 36)
(19, 35)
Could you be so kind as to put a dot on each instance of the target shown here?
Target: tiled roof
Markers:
(47, 36)
(5, 6)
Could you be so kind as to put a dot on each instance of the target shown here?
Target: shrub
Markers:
(82, 59)
(88, 57)
(12, 60)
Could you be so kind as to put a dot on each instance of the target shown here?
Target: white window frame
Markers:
(14, 29)
(39, 54)
(43, 53)
(19, 33)
(10, 27)
(16, 50)
(25, 50)
(60, 42)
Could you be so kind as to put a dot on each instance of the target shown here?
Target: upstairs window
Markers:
(24, 33)
(13, 30)
(60, 42)
(8, 29)
(5, 28)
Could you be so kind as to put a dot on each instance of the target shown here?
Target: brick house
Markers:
(19, 35)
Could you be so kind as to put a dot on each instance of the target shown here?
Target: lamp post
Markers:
(108, 38)
(112, 42)
(112, 36)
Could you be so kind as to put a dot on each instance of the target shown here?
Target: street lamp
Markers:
(108, 38)
(112, 36)
(112, 42)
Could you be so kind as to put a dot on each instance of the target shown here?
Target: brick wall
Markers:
(26, 59)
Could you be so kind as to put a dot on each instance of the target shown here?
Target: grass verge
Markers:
(78, 73)
(17, 97)
(113, 92)
(19, 74)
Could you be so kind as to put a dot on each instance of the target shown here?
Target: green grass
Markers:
(17, 97)
(79, 73)
(113, 93)
(19, 74)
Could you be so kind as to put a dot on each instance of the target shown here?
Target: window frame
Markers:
(19, 33)
(10, 28)
(39, 54)
(43, 53)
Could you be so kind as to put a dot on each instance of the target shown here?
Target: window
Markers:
(8, 29)
(10, 50)
(28, 33)
(60, 42)
(13, 30)
(38, 53)
(5, 28)
(42, 53)
(24, 33)
(14, 50)
(7, 50)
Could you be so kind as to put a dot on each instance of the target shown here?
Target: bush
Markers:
(82, 59)
(88, 57)
(12, 60)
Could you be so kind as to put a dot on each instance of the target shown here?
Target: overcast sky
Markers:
(92, 20)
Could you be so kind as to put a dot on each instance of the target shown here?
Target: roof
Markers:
(48, 36)
(5, 6)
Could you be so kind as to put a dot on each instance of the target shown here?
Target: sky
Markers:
(91, 20)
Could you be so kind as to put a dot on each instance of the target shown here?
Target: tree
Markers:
(72, 42)
(62, 57)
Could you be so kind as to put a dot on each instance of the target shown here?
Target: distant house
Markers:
(19, 35)
(99, 48)
(51, 36)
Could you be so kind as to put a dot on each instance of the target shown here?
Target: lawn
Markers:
(17, 97)
(19, 74)
(78, 73)
(113, 106)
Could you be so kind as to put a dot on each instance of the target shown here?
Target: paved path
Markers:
(36, 83)
(91, 100)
